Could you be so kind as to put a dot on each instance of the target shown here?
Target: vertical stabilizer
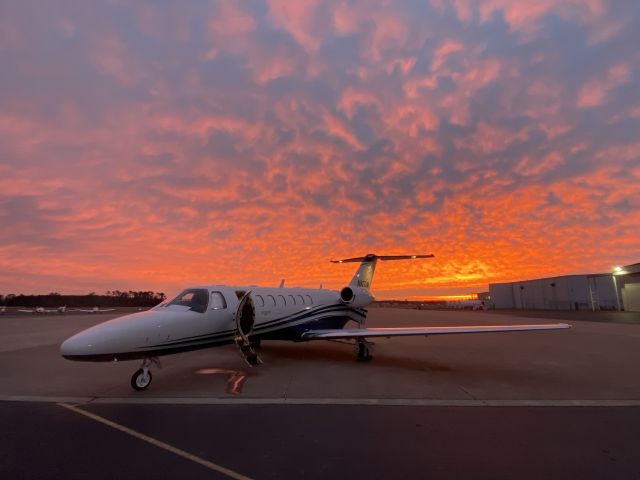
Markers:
(364, 275)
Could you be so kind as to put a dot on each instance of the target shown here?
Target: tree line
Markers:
(115, 298)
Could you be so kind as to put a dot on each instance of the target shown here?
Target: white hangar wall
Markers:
(571, 292)
(629, 284)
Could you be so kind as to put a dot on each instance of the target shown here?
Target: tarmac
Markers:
(546, 404)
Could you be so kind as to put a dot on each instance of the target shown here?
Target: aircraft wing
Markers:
(396, 332)
(107, 310)
(27, 311)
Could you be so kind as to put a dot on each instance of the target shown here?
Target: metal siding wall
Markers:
(501, 295)
(518, 295)
(579, 292)
(537, 295)
(562, 290)
(556, 297)
(569, 293)
(606, 293)
(631, 297)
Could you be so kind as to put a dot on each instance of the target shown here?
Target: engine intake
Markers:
(356, 297)
(347, 295)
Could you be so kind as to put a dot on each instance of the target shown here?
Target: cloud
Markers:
(593, 92)
(147, 146)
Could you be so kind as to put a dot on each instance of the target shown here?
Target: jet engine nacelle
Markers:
(356, 297)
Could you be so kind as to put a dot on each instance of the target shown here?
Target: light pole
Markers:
(617, 271)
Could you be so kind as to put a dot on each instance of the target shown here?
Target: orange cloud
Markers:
(226, 143)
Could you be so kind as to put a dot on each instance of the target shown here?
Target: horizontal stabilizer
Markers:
(364, 274)
(395, 332)
(371, 257)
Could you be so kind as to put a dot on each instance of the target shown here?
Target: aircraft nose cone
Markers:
(77, 346)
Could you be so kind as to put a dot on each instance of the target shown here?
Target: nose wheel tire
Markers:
(141, 379)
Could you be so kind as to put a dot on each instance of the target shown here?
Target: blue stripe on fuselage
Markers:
(329, 322)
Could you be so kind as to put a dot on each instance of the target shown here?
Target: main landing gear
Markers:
(141, 379)
(364, 350)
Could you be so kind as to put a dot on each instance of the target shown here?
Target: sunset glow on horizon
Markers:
(151, 146)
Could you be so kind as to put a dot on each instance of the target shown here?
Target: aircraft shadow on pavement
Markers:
(344, 354)
(463, 369)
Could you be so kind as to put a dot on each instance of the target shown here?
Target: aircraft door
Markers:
(245, 313)
(245, 319)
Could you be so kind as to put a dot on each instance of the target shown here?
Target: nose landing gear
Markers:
(141, 379)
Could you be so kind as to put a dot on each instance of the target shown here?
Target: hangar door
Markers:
(631, 297)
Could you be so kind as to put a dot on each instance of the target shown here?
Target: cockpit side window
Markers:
(217, 301)
(194, 298)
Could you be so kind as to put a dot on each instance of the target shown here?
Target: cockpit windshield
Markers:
(194, 298)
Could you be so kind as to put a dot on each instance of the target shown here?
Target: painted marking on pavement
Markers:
(401, 402)
(165, 446)
(235, 378)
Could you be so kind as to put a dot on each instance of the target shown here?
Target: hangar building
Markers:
(619, 290)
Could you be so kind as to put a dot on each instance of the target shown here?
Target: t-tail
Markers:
(358, 292)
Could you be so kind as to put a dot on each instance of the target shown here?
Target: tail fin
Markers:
(364, 275)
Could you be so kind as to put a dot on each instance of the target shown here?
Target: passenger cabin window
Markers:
(293, 300)
(281, 301)
(260, 300)
(272, 301)
(217, 301)
(194, 298)
(301, 299)
(310, 299)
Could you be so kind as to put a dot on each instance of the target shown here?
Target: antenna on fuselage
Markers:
(282, 283)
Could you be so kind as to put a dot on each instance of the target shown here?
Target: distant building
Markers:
(619, 290)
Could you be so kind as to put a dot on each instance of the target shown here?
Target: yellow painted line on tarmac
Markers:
(160, 444)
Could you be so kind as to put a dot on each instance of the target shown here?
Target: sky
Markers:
(151, 145)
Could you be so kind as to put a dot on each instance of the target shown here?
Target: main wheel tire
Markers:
(364, 354)
(140, 380)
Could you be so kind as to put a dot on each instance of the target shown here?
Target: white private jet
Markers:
(93, 310)
(208, 316)
(45, 310)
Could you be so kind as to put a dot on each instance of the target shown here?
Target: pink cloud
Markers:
(594, 91)
(529, 165)
(445, 49)
(298, 19)
(111, 57)
(164, 153)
